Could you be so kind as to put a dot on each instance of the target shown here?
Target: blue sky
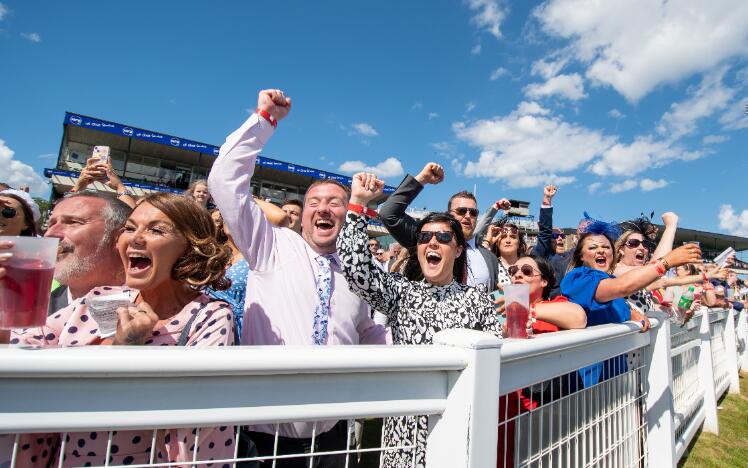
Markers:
(630, 106)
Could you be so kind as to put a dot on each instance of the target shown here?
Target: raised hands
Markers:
(94, 171)
(365, 187)
(669, 219)
(134, 324)
(503, 204)
(689, 253)
(274, 102)
(432, 173)
(549, 191)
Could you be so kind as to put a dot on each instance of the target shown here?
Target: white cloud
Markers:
(567, 86)
(470, 106)
(476, 49)
(644, 153)
(498, 73)
(709, 97)
(489, 15)
(433, 115)
(33, 37)
(624, 186)
(616, 114)
(3, 11)
(734, 224)
(647, 185)
(526, 150)
(48, 156)
(365, 129)
(548, 67)
(735, 117)
(390, 167)
(16, 173)
(531, 108)
(636, 45)
(416, 106)
(714, 139)
(594, 187)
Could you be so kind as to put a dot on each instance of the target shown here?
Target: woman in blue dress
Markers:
(590, 284)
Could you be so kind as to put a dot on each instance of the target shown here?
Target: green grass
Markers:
(730, 447)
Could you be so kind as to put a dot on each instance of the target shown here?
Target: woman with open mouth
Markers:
(170, 254)
(591, 284)
(416, 310)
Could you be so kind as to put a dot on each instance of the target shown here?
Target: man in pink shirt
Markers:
(296, 292)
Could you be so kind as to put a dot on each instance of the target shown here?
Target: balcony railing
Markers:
(604, 396)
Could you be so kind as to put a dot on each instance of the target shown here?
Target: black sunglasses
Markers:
(442, 237)
(461, 211)
(9, 212)
(526, 270)
(556, 235)
(635, 243)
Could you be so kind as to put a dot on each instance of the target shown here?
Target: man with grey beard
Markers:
(88, 225)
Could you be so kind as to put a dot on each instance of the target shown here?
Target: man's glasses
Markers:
(462, 211)
(526, 270)
(635, 243)
(558, 235)
(442, 237)
(8, 212)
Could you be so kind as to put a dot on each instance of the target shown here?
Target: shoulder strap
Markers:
(184, 336)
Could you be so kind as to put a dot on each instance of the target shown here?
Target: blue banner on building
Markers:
(197, 147)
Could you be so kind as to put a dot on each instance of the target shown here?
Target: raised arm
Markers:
(367, 281)
(670, 221)
(392, 212)
(545, 246)
(273, 213)
(230, 180)
(640, 277)
(481, 227)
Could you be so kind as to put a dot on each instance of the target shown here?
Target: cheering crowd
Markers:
(219, 267)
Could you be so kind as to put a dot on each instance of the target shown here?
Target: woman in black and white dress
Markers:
(417, 310)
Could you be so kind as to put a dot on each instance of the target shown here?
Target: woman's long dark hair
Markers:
(413, 268)
(546, 273)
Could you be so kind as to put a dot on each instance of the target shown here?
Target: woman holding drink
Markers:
(416, 310)
(170, 255)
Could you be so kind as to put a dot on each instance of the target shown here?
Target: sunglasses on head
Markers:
(8, 212)
(557, 235)
(526, 270)
(462, 211)
(442, 237)
(635, 243)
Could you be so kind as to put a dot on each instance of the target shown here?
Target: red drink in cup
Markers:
(517, 309)
(24, 291)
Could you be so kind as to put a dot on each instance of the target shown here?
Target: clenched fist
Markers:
(134, 324)
(365, 187)
(274, 102)
(431, 173)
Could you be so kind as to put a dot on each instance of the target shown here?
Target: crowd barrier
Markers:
(604, 396)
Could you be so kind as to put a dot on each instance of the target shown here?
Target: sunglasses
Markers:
(526, 270)
(509, 230)
(442, 237)
(8, 212)
(635, 243)
(557, 235)
(462, 211)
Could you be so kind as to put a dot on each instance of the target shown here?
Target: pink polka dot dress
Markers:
(73, 326)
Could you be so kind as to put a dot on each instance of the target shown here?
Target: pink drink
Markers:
(24, 293)
(516, 320)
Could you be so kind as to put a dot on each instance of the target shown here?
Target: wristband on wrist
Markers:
(660, 266)
(123, 192)
(664, 263)
(266, 115)
(705, 278)
(363, 210)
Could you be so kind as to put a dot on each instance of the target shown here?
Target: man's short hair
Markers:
(463, 194)
(115, 213)
(293, 201)
(345, 188)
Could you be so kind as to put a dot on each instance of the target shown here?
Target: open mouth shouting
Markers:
(433, 258)
(138, 263)
(324, 226)
(601, 260)
(640, 257)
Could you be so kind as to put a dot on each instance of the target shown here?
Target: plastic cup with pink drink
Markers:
(25, 288)
(517, 300)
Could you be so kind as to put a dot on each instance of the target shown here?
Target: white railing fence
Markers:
(604, 396)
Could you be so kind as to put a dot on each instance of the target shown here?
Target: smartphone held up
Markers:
(100, 155)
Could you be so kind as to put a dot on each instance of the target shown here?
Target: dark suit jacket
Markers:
(58, 299)
(404, 228)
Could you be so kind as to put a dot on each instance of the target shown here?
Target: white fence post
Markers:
(659, 399)
(732, 353)
(466, 434)
(706, 375)
(742, 339)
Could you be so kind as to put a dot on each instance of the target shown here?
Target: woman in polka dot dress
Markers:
(170, 255)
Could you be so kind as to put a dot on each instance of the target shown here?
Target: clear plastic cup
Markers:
(517, 300)
(25, 288)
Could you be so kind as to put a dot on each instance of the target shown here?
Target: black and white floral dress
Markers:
(416, 312)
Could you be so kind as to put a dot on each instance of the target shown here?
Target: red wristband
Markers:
(364, 210)
(659, 266)
(266, 115)
(705, 278)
